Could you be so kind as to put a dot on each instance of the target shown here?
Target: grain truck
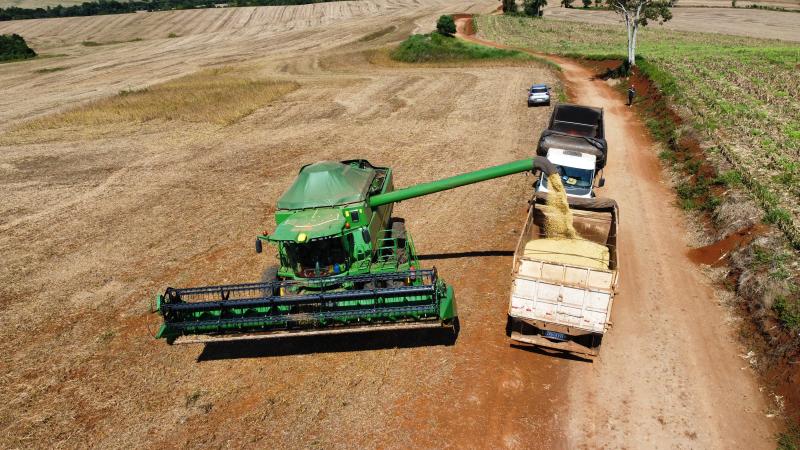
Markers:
(563, 289)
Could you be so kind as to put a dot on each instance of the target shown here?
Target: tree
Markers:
(13, 47)
(509, 6)
(638, 13)
(587, 3)
(567, 3)
(446, 26)
(534, 8)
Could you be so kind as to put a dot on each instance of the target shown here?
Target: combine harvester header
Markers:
(346, 265)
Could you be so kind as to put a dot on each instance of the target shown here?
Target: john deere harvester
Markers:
(346, 264)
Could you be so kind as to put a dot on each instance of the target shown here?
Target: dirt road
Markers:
(671, 374)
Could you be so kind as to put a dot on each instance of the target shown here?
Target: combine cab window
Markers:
(318, 258)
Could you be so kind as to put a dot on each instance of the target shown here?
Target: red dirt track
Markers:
(670, 373)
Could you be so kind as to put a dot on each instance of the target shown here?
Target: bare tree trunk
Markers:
(631, 54)
(629, 28)
(632, 42)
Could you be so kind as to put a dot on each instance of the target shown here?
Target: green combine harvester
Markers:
(346, 265)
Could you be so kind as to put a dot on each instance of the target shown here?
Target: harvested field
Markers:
(98, 217)
(219, 96)
(732, 21)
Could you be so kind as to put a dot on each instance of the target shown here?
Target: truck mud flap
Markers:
(565, 345)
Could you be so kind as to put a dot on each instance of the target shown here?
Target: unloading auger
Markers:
(346, 265)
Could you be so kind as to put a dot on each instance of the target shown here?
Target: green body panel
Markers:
(447, 305)
(327, 183)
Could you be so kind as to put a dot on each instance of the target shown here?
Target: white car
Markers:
(577, 172)
(539, 94)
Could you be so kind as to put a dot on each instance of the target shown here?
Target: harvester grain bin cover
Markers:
(327, 183)
(308, 224)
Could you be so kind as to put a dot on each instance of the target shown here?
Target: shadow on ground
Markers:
(475, 254)
(303, 345)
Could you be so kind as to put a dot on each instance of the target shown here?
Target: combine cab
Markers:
(345, 264)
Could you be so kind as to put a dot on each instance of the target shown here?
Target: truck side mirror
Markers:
(258, 246)
(602, 182)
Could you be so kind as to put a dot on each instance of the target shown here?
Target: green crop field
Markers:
(741, 93)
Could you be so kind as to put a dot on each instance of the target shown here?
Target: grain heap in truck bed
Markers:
(562, 244)
(573, 252)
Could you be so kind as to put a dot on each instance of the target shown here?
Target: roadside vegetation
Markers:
(736, 100)
(217, 96)
(104, 7)
(13, 48)
(442, 46)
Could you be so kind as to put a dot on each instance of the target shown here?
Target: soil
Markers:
(717, 254)
(97, 222)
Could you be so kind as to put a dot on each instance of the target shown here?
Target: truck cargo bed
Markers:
(561, 305)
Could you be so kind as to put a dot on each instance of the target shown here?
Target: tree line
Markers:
(102, 7)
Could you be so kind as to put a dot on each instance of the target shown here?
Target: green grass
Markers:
(740, 93)
(788, 311)
(790, 439)
(434, 47)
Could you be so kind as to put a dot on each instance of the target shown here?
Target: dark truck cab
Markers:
(576, 128)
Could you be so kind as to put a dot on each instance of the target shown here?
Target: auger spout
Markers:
(419, 190)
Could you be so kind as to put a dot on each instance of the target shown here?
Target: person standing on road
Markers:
(631, 95)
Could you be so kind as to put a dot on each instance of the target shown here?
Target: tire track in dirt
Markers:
(664, 375)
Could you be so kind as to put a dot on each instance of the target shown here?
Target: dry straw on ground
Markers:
(219, 96)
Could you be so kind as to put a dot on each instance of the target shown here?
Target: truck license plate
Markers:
(553, 335)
